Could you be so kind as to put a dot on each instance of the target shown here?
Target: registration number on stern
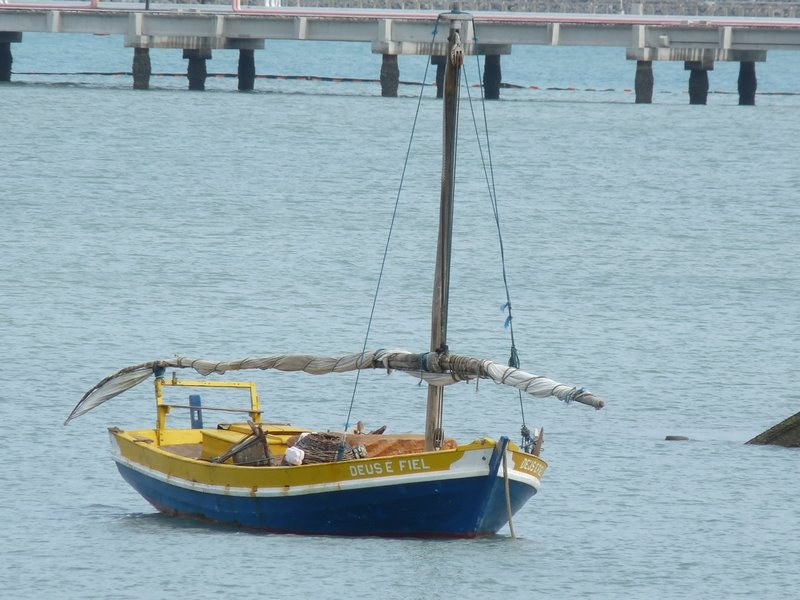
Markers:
(534, 467)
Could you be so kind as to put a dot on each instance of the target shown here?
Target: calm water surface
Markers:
(652, 257)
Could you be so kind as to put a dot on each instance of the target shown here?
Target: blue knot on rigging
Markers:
(513, 361)
(572, 394)
(159, 371)
(423, 361)
(506, 307)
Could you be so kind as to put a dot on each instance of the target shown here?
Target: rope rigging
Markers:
(528, 442)
(389, 235)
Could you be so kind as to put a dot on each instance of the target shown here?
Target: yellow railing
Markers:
(163, 408)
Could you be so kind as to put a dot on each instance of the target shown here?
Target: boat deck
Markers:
(214, 442)
(193, 451)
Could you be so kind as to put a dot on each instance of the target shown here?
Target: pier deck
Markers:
(199, 29)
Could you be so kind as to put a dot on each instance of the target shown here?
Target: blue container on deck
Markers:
(196, 413)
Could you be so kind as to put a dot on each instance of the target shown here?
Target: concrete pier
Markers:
(698, 81)
(390, 76)
(141, 69)
(646, 38)
(644, 82)
(196, 71)
(492, 77)
(440, 65)
(747, 83)
(5, 61)
(6, 58)
(247, 70)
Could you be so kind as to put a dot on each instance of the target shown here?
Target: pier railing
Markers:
(718, 8)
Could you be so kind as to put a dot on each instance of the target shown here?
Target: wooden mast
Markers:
(441, 284)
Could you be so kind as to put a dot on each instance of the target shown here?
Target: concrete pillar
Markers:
(247, 70)
(141, 68)
(196, 71)
(5, 61)
(698, 81)
(390, 76)
(644, 82)
(440, 62)
(6, 39)
(747, 83)
(492, 77)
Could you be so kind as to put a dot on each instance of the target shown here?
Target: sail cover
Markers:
(435, 368)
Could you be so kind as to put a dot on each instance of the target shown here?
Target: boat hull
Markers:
(456, 493)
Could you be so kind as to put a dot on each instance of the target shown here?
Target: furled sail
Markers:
(434, 368)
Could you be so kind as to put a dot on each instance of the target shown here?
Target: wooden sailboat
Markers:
(285, 479)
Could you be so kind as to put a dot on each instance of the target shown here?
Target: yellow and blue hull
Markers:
(461, 492)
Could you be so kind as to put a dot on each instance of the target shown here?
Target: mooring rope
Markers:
(508, 493)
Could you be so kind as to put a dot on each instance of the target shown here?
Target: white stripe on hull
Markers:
(474, 463)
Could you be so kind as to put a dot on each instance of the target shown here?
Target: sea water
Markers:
(651, 253)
